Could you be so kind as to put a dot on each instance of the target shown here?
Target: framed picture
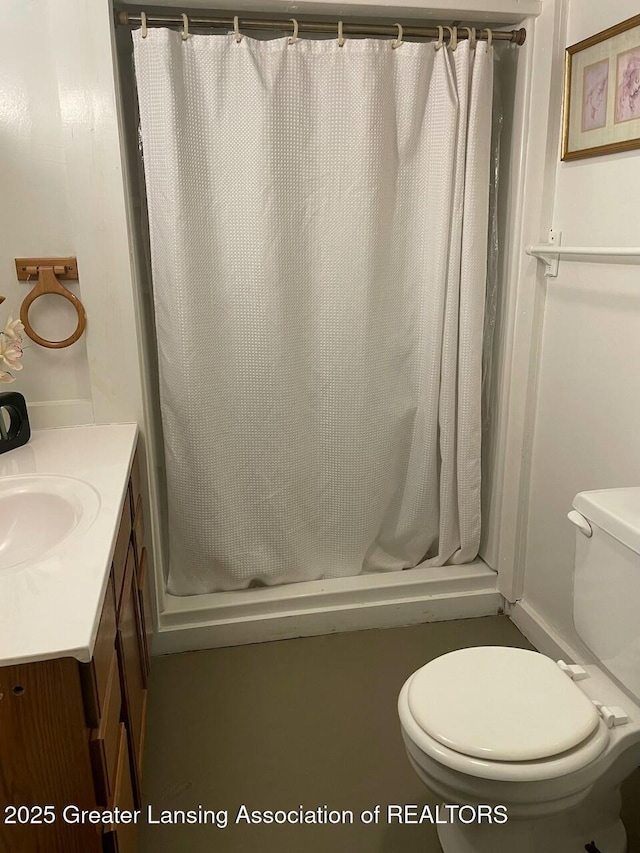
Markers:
(602, 93)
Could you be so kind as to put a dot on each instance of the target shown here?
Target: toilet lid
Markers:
(501, 704)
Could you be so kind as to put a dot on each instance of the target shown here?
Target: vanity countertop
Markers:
(50, 608)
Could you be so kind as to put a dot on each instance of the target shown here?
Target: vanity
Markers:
(75, 627)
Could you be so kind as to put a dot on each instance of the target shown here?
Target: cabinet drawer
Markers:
(122, 837)
(144, 600)
(135, 484)
(138, 531)
(105, 740)
(95, 674)
(132, 668)
(120, 553)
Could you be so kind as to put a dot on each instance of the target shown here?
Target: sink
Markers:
(40, 514)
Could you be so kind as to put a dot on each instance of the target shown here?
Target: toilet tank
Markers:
(606, 587)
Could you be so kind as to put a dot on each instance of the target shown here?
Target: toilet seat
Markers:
(500, 704)
(502, 771)
(419, 710)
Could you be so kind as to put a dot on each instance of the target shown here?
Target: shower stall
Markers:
(418, 564)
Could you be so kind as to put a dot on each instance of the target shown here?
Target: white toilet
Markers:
(549, 741)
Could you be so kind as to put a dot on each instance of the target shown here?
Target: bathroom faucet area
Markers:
(319, 446)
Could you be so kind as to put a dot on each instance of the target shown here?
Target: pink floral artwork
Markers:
(628, 85)
(594, 95)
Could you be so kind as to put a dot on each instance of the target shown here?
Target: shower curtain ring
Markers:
(471, 33)
(185, 27)
(450, 34)
(341, 38)
(293, 38)
(143, 25)
(489, 37)
(440, 41)
(398, 40)
(236, 29)
(453, 41)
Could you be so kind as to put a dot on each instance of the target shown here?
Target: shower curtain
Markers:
(318, 225)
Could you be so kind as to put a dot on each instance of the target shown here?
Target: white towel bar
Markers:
(551, 252)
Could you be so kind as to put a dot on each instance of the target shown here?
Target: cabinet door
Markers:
(95, 674)
(132, 670)
(123, 838)
(105, 740)
(44, 757)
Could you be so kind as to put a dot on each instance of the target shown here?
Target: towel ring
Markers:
(185, 27)
(293, 38)
(341, 38)
(48, 283)
(398, 40)
(236, 29)
(143, 24)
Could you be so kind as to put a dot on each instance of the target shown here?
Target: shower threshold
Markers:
(310, 608)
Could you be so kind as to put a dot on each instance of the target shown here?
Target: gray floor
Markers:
(299, 722)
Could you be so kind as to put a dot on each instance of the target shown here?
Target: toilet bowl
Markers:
(549, 742)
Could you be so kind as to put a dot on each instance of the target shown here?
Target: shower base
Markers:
(326, 607)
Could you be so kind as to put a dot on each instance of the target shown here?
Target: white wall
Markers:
(587, 412)
(64, 194)
(35, 214)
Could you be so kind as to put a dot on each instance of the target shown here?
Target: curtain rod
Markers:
(132, 19)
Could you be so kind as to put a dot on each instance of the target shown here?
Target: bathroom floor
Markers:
(308, 722)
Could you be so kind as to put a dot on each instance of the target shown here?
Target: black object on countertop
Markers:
(14, 421)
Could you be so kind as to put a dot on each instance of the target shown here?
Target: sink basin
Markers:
(39, 514)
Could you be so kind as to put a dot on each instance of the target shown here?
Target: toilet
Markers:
(550, 741)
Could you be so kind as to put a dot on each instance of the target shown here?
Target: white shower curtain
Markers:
(318, 223)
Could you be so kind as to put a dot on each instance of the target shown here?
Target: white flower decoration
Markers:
(14, 329)
(10, 349)
(10, 352)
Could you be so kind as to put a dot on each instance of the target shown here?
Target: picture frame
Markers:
(602, 93)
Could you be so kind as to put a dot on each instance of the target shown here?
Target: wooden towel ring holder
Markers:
(49, 272)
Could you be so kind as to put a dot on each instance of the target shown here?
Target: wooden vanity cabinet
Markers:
(73, 733)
